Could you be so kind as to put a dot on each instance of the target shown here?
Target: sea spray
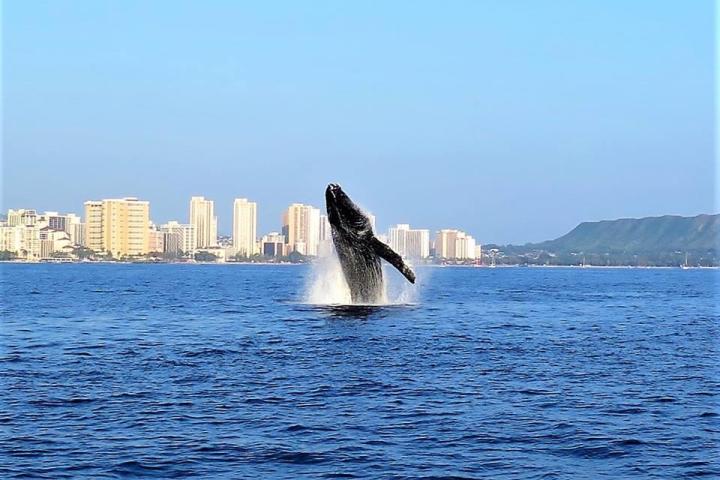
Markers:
(326, 284)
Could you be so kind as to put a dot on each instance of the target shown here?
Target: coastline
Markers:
(288, 264)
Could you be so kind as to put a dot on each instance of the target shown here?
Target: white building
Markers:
(301, 227)
(202, 217)
(244, 227)
(409, 243)
(325, 229)
(454, 245)
(273, 245)
(185, 236)
(22, 216)
(21, 240)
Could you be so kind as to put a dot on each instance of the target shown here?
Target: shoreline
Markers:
(484, 267)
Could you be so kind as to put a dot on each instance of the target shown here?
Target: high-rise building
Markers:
(94, 225)
(185, 241)
(301, 227)
(325, 245)
(156, 240)
(22, 240)
(68, 223)
(325, 229)
(52, 220)
(245, 227)
(454, 245)
(409, 243)
(118, 226)
(22, 216)
(75, 227)
(202, 217)
(272, 244)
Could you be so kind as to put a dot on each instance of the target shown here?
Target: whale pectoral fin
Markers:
(382, 250)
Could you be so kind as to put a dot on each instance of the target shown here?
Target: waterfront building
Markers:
(53, 242)
(409, 243)
(156, 240)
(22, 216)
(454, 245)
(301, 227)
(69, 223)
(183, 240)
(21, 240)
(94, 225)
(272, 245)
(244, 227)
(118, 226)
(75, 227)
(325, 229)
(202, 217)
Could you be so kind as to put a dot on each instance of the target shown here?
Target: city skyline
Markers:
(518, 121)
(124, 227)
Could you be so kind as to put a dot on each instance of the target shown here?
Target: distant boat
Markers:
(685, 266)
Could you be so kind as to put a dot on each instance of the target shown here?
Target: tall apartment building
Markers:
(185, 241)
(454, 245)
(202, 217)
(118, 226)
(301, 227)
(409, 243)
(24, 217)
(245, 227)
(94, 225)
(325, 229)
(22, 240)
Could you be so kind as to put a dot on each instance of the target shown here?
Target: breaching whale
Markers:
(358, 249)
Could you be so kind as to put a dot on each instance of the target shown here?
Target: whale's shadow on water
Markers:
(359, 312)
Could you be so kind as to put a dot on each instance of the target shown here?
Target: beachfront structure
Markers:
(202, 217)
(119, 226)
(244, 227)
(408, 242)
(454, 245)
(301, 227)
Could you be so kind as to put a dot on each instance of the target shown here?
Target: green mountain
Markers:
(668, 233)
(665, 240)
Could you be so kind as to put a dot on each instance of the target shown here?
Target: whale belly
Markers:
(363, 273)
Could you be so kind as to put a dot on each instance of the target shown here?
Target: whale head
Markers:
(343, 214)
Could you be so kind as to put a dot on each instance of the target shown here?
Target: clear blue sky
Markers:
(511, 120)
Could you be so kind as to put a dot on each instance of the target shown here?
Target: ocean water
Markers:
(211, 371)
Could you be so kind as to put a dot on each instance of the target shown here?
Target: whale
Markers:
(358, 249)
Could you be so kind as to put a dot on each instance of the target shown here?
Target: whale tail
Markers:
(384, 251)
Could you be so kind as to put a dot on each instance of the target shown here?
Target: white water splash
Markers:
(327, 286)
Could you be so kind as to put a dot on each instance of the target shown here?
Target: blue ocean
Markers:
(228, 371)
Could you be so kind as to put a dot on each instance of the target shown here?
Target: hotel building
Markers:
(301, 227)
(118, 226)
(454, 245)
(244, 227)
(409, 243)
(202, 217)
